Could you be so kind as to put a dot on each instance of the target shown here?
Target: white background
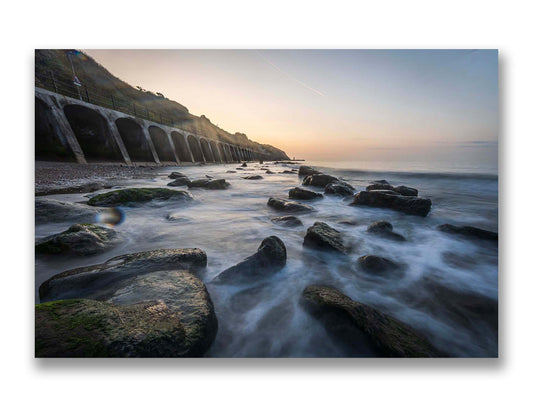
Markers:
(272, 24)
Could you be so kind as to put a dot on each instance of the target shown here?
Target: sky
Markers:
(334, 105)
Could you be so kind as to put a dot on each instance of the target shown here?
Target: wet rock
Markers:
(390, 199)
(51, 210)
(178, 182)
(162, 314)
(319, 180)
(287, 172)
(100, 281)
(269, 172)
(300, 193)
(209, 184)
(176, 175)
(288, 206)
(468, 231)
(177, 217)
(253, 177)
(289, 221)
(377, 264)
(74, 189)
(269, 258)
(241, 169)
(340, 188)
(381, 181)
(306, 170)
(381, 187)
(321, 236)
(231, 171)
(79, 239)
(244, 165)
(346, 317)
(384, 229)
(129, 196)
(348, 222)
(406, 191)
(208, 176)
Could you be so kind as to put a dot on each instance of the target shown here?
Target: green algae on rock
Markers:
(135, 195)
(81, 239)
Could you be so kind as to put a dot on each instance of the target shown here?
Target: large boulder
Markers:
(269, 258)
(162, 314)
(392, 200)
(319, 180)
(288, 206)
(102, 280)
(348, 319)
(377, 265)
(306, 170)
(468, 231)
(209, 183)
(406, 191)
(301, 193)
(73, 189)
(384, 229)
(79, 239)
(51, 210)
(339, 188)
(176, 175)
(130, 196)
(402, 189)
(288, 221)
(179, 181)
(321, 236)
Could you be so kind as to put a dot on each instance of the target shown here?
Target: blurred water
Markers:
(267, 319)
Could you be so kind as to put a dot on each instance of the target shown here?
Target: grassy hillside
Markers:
(95, 76)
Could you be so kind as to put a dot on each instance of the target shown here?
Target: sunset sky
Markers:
(334, 104)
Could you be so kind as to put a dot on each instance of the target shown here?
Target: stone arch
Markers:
(206, 150)
(93, 134)
(221, 152)
(162, 145)
(214, 149)
(195, 149)
(134, 139)
(49, 143)
(181, 146)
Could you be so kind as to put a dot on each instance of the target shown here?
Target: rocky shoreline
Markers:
(163, 306)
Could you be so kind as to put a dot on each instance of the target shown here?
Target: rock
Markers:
(176, 175)
(345, 317)
(287, 172)
(381, 181)
(177, 217)
(381, 187)
(244, 165)
(209, 183)
(340, 188)
(129, 196)
(231, 171)
(269, 258)
(79, 239)
(406, 191)
(288, 206)
(348, 222)
(241, 169)
(376, 264)
(306, 170)
(321, 236)
(468, 231)
(269, 172)
(289, 221)
(300, 193)
(384, 229)
(319, 180)
(178, 182)
(163, 314)
(253, 177)
(260, 161)
(51, 210)
(74, 189)
(101, 280)
(208, 176)
(386, 199)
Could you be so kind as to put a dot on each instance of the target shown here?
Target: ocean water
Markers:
(447, 292)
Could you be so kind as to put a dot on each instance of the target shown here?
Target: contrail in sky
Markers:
(288, 75)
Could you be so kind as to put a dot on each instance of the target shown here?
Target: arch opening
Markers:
(93, 134)
(205, 149)
(195, 149)
(134, 140)
(221, 152)
(49, 143)
(181, 146)
(161, 144)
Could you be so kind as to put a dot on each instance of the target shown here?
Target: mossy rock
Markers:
(390, 337)
(80, 239)
(128, 196)
(87, 328)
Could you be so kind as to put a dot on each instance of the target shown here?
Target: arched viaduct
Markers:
(71, 129)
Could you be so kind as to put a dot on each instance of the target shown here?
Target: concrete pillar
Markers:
(66, 131)
(199, 139)
(188, 147)
(211, 150)
(110, 117)
(173, 147)
(150, 143)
